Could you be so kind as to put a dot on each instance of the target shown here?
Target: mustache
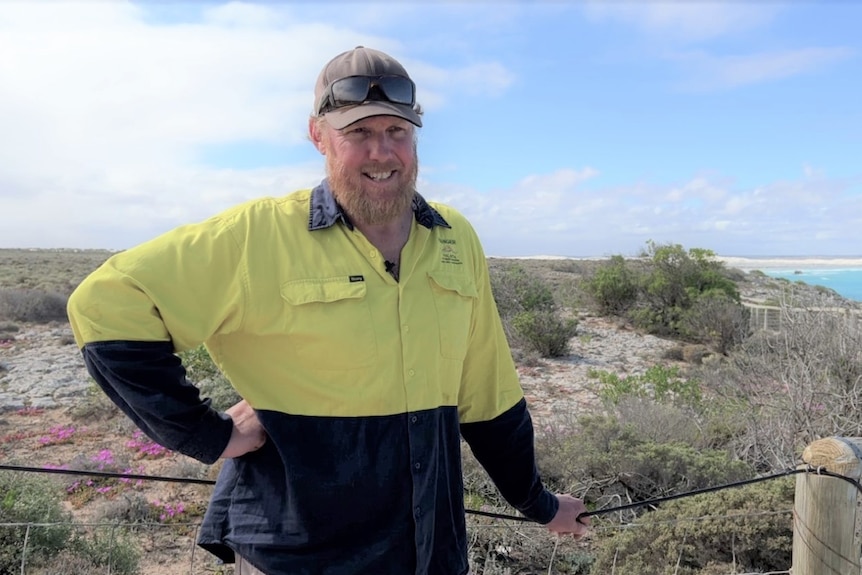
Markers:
(384, 167)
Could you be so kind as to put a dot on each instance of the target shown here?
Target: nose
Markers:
(382, 147)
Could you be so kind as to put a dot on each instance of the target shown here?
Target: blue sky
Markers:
(558, 128)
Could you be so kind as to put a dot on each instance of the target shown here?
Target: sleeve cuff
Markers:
(209, 440)
(544, 509)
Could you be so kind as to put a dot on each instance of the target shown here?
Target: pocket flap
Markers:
(463, 285)
(299, 292)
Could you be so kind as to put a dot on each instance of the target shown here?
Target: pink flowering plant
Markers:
(57, 435)
(84, 490)
(145, 448)
(169, 512)
(183, 515)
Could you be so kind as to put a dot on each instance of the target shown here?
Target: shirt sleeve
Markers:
(183, 287)
(142, 306)
(146, 380)
(494, 418)
(504, 447)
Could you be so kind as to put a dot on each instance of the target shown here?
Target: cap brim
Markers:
(343, 117)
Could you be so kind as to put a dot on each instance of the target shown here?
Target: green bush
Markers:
(544, 332)
(128, 508)
(715, 319)
(531, 317)
(617, 456)
(33, 306)
(517, 291)
(660, 383)
(24, 499)
(675, 279)
(613, 288)
(115, 551)
(735, 530)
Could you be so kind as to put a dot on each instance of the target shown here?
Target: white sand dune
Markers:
(753, 263)
(785, 263)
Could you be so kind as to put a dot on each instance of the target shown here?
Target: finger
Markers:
(583, 519)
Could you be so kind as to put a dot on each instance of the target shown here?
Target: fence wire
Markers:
(497, 545)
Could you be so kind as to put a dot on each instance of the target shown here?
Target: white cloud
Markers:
(116, 212)
(684, 21)
(707, 71)
(106, 114)
(563, 216)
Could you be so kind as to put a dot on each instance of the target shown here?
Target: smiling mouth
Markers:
(379, 176)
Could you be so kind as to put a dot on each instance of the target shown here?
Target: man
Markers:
(357, 322)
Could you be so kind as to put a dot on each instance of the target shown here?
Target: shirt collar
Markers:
(324, 211)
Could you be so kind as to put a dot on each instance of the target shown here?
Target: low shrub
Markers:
(531, 317)
(660, 383)
(544, 332)
(33, 306)
(115, 550)
(613, 288)
(717, 320)
(516, 291)
(616, 460)
(129, 507)
(735, 530)
(25, 499)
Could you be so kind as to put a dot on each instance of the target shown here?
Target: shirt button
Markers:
(417, 512)
(411, 373)
(406, 328)
(417, 465)
(414, 419)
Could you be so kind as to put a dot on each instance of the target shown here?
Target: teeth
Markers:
(377, 176)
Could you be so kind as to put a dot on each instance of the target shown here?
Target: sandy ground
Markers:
(791, 263)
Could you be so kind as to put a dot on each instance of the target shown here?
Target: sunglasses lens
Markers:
(352, 90)
(397, 89)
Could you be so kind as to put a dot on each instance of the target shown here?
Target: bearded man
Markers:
(356, 320)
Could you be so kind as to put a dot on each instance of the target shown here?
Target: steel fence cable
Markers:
(637, 504)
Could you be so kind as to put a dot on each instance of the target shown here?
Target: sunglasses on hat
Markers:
(354, 90)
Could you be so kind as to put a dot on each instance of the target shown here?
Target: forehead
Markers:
(380, 123)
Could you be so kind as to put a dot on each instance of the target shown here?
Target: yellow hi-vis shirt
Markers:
(309, 322)
(361, 382)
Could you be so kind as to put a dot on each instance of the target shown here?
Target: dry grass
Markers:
(48, 270)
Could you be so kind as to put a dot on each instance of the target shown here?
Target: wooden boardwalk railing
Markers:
(772, 318)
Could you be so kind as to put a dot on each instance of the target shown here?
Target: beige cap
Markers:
(362, 61)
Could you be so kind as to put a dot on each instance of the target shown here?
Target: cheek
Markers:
(407, 154)
(350, 155)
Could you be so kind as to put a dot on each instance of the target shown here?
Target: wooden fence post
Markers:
(826, 511)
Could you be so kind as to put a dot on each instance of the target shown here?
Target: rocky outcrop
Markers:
(41, 367)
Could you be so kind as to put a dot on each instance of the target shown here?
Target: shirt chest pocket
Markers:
(454, 299)
(328, 323)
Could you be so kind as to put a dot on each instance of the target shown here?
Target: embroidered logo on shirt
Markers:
(448, 253)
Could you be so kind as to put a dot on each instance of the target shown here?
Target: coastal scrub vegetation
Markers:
(731, 401)
(672, 292)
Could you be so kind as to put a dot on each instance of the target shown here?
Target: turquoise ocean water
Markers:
(845, 281)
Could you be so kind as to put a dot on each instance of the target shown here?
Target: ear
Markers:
(316, 135)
